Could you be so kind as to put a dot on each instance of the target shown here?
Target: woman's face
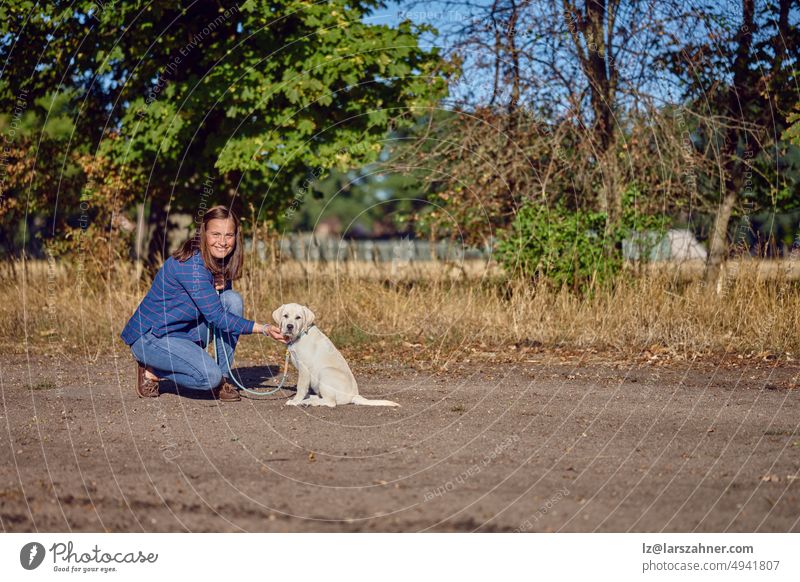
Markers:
(220, 237)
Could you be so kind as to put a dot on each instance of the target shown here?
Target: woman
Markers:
(168, 332)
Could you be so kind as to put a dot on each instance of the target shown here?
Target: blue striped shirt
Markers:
(181, 298)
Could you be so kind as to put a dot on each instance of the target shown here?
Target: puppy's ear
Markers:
(308, 315)
(277, 314)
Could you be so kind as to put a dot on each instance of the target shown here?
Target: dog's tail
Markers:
(358, 399)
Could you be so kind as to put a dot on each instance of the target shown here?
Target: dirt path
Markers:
(544, 445)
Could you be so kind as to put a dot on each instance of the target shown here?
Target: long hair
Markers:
(231, 266)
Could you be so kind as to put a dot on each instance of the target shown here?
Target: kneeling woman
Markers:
(169, 330)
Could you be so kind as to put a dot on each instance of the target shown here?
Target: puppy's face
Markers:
(293, 319)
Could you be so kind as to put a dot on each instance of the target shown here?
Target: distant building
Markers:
(673, 245)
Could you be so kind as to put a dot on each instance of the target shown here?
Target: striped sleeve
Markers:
(199, 284)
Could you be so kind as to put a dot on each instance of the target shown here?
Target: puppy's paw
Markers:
(292, 402)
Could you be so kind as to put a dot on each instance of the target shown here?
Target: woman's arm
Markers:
(202, 287)
(199, 284)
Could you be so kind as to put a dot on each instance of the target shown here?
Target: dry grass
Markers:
(48, 309)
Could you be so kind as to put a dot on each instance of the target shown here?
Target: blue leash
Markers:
(218, 345)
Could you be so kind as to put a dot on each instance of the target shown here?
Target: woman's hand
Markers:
(271, 331)
(219, 282)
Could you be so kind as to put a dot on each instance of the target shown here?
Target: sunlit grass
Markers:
(51, 309)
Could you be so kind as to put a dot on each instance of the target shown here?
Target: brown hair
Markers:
(231, 266)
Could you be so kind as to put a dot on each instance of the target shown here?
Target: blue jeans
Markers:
(186, 363)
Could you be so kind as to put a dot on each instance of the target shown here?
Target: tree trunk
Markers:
(142, 230)
(737, 96)
(719, 236)
(602, 99)
(514, 54)
(498, 54)
(157, 247)
(592, 36)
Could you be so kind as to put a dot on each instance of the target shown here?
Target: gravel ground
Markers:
(547, 443)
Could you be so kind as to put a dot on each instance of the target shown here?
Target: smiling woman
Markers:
(168, 333)
(219, 243)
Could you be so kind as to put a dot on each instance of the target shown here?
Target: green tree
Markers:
(792, 133)
(218, 102)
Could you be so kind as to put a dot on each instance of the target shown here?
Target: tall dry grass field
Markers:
(430, 310)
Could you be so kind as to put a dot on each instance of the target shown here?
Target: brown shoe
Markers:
(225, 392)
(145, 388)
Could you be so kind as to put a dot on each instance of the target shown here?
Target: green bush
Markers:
(574, 248)
(560, 246)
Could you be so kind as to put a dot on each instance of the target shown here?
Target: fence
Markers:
(307, 247)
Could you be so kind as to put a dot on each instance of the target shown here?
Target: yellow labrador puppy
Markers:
(319, 364)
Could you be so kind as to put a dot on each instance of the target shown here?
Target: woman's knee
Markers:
(232, 302)
(209, 378)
